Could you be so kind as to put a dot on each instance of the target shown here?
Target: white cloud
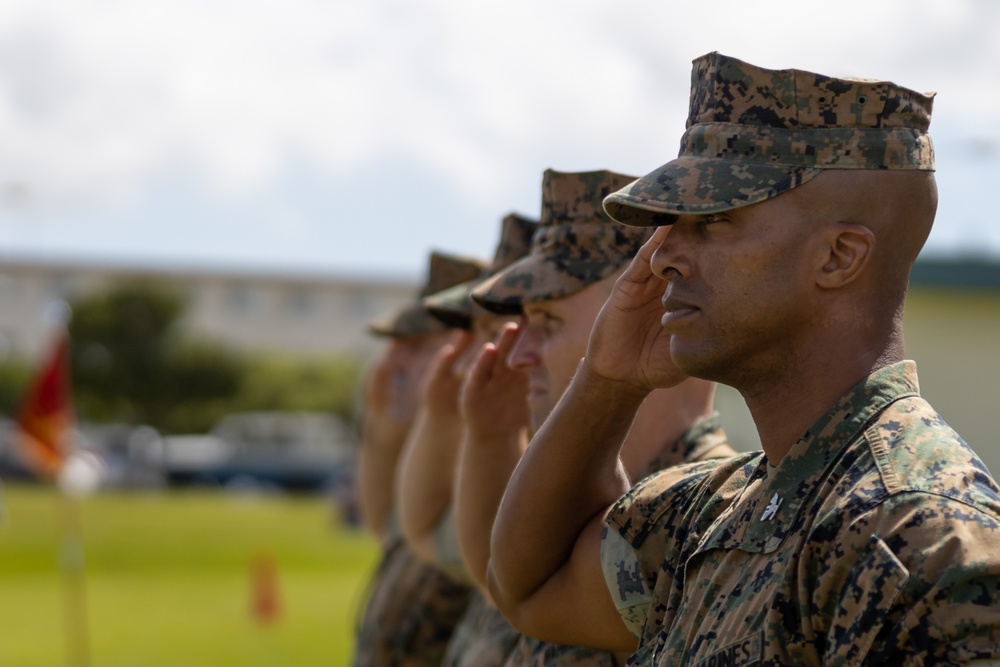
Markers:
(100, 99)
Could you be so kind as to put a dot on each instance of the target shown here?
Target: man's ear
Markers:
(848, 249)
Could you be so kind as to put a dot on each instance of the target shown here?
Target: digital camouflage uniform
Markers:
(530, 652)
(753, 133)
(483, 638)
(412, 607)
(876, 540)
(576, 244)
(411, 612)
(455, 308)
(704, 441)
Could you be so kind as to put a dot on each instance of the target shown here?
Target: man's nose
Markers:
(669, 259)
(524, 354)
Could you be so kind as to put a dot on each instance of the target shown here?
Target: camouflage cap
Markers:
(576, 244)
(443, 271)
(454, 306)
(753, 133)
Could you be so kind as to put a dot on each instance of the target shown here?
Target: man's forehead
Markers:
(484, 319)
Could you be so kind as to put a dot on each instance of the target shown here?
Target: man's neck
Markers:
(786, 406)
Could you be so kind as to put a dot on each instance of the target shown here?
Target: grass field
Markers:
(168, 579)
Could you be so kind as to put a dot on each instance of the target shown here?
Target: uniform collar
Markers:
(769, 509)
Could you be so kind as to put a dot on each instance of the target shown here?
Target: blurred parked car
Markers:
(128, 455)
(289, 450)
(11, 465)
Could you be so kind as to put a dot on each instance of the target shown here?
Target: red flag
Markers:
(46, 415)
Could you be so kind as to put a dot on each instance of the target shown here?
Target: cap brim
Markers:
(453, 306)
(697, 186)
(411, 320)
(539, 277)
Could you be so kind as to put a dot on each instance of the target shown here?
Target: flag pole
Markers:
(78, 477)
(74, 584)
(46, 424)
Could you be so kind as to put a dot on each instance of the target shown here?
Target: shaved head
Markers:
(897, 207)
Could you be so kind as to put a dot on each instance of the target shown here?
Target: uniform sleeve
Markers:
(650, 530)
(913, 581)
(625, 580)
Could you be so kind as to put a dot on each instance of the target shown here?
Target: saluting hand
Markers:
(444, 377)
(628, 343)
(386, 395)
(390, 404)
(494, 398)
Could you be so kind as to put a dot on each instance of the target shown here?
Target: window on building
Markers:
(361, 303)
(300, 301)
(243, 299)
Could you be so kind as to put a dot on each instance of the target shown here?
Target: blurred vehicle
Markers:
(296, 451)
(129, 455)
(11, 465)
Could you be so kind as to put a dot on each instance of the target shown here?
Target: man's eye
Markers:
(708, 221)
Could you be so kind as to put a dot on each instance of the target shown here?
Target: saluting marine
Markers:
(866, 531)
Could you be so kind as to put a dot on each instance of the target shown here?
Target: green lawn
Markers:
(168, 579)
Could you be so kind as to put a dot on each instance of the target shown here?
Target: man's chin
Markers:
(697, 362)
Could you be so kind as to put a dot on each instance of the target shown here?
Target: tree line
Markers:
(133, 362)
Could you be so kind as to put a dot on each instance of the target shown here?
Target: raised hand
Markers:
(389, 397)
(444, 377)
(628, 343)
(494, 397)
(495, 409)
(391, 401)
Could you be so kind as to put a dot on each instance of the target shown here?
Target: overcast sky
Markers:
(356, 135)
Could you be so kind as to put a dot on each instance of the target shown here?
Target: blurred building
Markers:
(252, 310)
(952, 320)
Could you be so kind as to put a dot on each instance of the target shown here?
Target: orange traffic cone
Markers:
(265, 603)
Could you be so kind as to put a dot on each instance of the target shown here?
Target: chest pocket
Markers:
(867, 596)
